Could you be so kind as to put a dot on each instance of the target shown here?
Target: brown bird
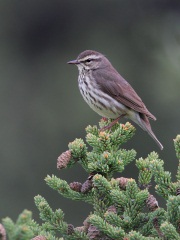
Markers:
(108, 93)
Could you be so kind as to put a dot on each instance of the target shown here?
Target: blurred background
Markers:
(40, 104)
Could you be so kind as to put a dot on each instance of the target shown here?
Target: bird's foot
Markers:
(109, 126)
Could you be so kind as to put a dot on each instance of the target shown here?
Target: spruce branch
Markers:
(177, 146)
(65, 190)
(122, 208)
(133, 235)
(106, 228)
(145, 174)
(169, 231)
(40, 237)
(178, 172)
(55, 221)
(173, 210)
(20, 229)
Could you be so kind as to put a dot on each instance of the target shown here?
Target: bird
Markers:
(109, 94)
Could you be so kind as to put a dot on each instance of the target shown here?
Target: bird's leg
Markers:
(112, 123)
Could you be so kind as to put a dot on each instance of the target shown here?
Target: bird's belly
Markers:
(102, 103)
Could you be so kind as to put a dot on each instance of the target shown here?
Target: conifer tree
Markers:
(122, 208)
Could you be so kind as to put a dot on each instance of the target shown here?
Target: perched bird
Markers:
(108, 93)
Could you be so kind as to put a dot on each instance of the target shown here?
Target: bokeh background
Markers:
(40, 104)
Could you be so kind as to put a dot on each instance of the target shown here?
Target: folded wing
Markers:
(113, 84)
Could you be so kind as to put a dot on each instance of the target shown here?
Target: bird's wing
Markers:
(113, 84)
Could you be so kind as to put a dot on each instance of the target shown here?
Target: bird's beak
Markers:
(73, 62)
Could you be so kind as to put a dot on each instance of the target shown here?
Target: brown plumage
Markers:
(108, 93)
(118, 88)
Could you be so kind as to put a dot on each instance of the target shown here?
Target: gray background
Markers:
(41, 107)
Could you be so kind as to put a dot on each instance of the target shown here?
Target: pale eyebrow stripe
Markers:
(90, 56)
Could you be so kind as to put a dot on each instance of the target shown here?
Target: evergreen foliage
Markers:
(123, 208)
(20, 230)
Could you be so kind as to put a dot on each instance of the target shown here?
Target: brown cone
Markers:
(76, 186)
(63, 159)
(2, 232)
(152, 203)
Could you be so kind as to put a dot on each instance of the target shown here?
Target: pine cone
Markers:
(152, 203)
(63, 159)
(122, 182)
(112, 209)
(2, 232)
(87, 186)
(86, 224)
(76, 186)
(93, 232)
(157, 227)
(178, 191)
(70, 229)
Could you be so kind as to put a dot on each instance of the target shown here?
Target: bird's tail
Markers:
(143, 122)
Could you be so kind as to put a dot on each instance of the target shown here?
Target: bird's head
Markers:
(90, 60)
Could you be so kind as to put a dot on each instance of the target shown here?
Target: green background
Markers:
(40, 104)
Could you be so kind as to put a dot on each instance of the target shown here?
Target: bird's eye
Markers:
(88, 60)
